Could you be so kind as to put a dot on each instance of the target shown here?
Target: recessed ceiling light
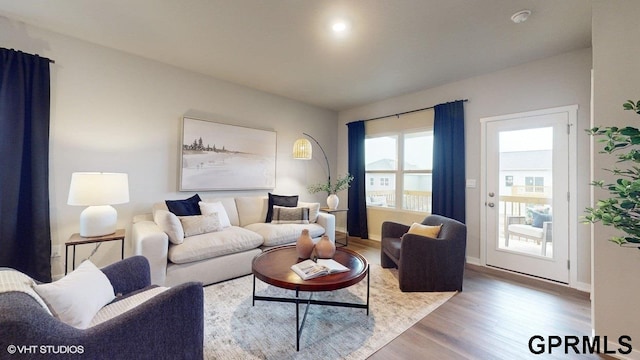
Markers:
(339, 27)
(520, 16)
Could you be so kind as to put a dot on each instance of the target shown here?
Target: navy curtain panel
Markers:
(448, 186)
(357, 215)
(25, 235)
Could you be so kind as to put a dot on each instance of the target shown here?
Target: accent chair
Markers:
(426, 263)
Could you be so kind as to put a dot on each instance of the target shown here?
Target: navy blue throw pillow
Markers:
(186, 207)
(539, 219)
(280, 200)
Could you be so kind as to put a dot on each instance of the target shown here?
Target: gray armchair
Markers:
(168, 326)
(426, 264)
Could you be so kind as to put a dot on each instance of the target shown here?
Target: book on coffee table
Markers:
(309, 269)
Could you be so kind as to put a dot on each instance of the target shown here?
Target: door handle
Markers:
(491, 204)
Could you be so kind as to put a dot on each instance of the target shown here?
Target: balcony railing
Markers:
(411, 200)
(510, 205)
(523, 197)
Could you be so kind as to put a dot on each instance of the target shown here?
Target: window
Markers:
(534, 184)
(402, 163)
(508, 180)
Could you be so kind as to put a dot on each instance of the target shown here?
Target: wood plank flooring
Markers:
(494, 317)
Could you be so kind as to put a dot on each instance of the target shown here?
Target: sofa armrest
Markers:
(128, 275)
(328, 222)
(170, 325)
(153, 243)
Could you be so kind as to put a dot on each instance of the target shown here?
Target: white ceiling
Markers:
(286, 47)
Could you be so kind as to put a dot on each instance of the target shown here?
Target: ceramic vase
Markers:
(325, 248)
(332, 201)
(304, 245)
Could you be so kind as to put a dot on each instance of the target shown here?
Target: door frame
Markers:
(572, 111)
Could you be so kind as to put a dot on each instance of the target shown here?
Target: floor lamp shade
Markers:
(98, 191)
(302, 149)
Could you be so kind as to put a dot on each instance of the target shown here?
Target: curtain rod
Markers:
(409, 112)
(51, 61)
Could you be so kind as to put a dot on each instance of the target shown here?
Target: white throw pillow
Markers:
(170, 224)
(208, 208)
(76, 298)
(200, 224)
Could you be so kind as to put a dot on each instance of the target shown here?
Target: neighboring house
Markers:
(526, 172)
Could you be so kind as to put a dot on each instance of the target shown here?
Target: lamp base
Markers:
(98, 221)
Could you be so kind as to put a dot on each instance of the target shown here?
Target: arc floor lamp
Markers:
(302, 150)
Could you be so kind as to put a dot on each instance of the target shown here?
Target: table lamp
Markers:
(98, 191)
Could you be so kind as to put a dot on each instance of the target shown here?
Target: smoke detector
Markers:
(520, 16)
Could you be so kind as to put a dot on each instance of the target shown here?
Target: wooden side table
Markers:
(76, 239)
(343, 235)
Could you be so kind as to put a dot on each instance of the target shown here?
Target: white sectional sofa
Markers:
(219, 255)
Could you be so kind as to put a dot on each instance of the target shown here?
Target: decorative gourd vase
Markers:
(325, 249)
(304, 245)
(332, 201)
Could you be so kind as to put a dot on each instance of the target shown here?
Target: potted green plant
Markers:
(331, 188)
(622, 209)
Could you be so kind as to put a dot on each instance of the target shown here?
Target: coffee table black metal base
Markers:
(273, 267)
(297, 300)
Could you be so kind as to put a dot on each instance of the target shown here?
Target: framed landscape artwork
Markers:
(218, 156)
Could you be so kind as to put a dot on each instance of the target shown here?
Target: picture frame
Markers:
(217, 156)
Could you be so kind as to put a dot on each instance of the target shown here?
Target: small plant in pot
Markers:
(331, 189)
(622, 209)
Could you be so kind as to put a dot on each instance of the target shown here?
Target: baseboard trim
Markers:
(524, 279)
(365, 242)
(473, 261)
(586, 287)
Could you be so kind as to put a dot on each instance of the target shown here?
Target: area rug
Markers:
(234, 329)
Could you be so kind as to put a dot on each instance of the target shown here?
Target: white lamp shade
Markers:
(302, 149)
(94, 188)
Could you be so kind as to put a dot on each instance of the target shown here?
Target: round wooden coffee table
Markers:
(274, 267)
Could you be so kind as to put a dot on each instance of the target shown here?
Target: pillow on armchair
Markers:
(431, 231)
(76, 298)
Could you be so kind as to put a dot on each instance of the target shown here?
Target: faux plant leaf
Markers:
(627, 204)
(622, 209)
(629, 131)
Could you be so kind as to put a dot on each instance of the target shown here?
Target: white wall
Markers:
(556, 81)
(112, 111)
(616, 288)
